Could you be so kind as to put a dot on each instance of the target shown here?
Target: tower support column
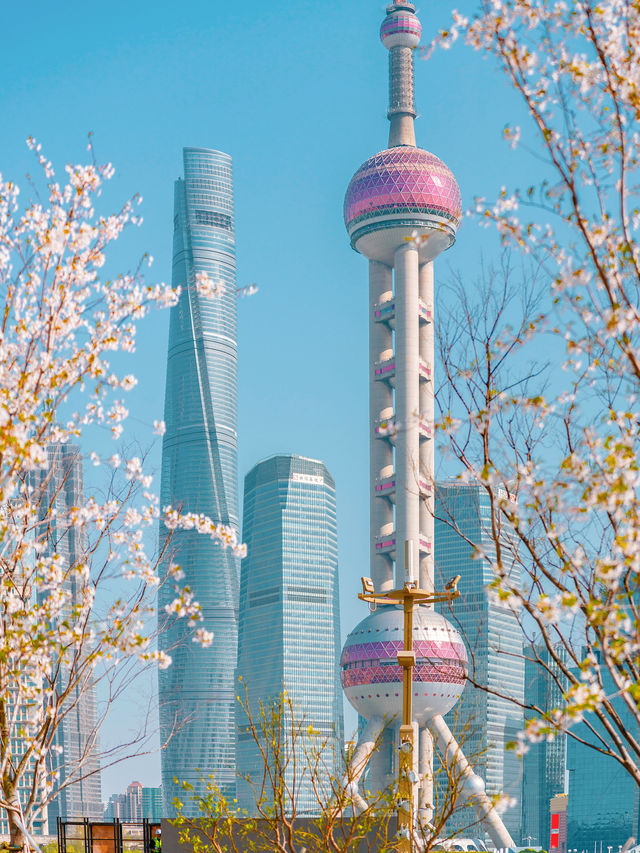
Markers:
(427, 414)
(426, 776)
(407, 408)
(380, 406)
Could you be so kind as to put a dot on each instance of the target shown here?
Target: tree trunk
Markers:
(17, 837)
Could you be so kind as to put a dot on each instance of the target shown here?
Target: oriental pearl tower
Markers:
(401, 210)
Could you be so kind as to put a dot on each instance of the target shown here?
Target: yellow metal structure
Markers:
(409, 596)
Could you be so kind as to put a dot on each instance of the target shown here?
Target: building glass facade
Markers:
(75, 756)
(543, 766)
(484, 722)
(199, 475)
(152, 803)
(604, 801)
(289, 634)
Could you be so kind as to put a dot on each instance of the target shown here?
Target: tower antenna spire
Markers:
(400, 33)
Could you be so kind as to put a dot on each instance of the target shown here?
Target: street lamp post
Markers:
(409, 596)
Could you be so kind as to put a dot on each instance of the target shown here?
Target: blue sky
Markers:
(296, 92)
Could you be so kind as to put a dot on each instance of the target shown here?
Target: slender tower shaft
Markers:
(401, 106)
(427, 416)
(407, 380)
(427, 491)
(380, 411)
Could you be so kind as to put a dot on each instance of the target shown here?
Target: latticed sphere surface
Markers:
(398, 191)
(372, 677)
(401, 29)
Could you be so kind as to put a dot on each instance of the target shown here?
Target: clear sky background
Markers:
(296, 92)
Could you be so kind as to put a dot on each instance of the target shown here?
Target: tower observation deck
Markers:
(402, 210)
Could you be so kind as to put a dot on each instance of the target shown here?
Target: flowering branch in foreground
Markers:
(557, 449)
(65, 626)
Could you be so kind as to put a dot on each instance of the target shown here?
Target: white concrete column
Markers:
(402, 131)
(426, 776)
(380, 405)
(382, 770)
(427, 411)
(402, 109)
(407, 406)
(367, 743)
(473, 785)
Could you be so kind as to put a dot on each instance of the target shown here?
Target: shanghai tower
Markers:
(199, 475)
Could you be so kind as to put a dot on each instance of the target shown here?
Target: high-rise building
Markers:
(494, 641)
(116, 807)
(152, 804)
(40, 825)
(402, 209)
(289, 634)
(604, 800)
(134, 801)
(543, 766)
(75, 756)
(135, 804)
(199, 475)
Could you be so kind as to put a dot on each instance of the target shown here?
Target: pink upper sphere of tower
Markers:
(401, 28)
(397, 191)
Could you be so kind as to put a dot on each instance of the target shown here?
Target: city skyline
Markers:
(292, 420)
(135, 804)
(283, 197)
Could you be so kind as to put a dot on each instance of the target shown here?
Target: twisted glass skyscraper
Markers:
(289, 637)
(199, 474)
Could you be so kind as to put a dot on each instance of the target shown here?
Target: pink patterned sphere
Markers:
(396, 192)
(372, 677)
(401, 28)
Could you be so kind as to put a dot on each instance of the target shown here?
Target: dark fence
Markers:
(114, 836)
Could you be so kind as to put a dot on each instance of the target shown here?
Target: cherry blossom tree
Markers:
(66, 626)
(541, 406)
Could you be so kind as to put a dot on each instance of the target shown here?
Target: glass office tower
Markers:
(289, 633)
(543, 766)
(75, 757)
(485, 722)
(604, 800)
(199, 474)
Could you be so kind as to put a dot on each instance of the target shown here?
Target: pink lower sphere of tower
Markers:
(399, 190)
(372, 677)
